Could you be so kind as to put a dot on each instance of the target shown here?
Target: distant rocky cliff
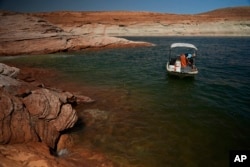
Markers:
(221, 22)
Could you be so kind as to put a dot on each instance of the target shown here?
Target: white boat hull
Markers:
(180, 73)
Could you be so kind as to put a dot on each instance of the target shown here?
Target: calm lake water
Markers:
(151, 120)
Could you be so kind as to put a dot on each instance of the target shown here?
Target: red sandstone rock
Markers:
(6, 108)
(37, 154)
(66, 119)
(43, 103)
(30, 113)
(65, 142)
(27, 34)
(126, 18)
(47, 132)
(15, 121)
(21, 123)
(221, 22)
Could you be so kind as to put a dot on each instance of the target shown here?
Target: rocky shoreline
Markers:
(34, 123)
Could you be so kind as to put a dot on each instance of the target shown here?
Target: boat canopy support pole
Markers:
(169, 54)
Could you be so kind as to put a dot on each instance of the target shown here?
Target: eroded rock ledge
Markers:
(27, 34)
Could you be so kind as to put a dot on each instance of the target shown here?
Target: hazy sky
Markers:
(163, 6)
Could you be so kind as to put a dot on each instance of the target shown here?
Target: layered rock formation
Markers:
(221, 22)
(30, 113)
(28, 34)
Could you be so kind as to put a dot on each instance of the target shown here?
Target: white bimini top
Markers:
(187, 45)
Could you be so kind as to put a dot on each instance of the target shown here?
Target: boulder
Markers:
(9, 71)
(51, 112)
(29, 113)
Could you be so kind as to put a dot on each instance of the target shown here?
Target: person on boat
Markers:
(189, 55)
(183, 60)
(190, 60)
(186, 65)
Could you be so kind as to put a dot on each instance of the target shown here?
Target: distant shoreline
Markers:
(52, 32)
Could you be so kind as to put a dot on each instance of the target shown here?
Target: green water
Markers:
(154, 120)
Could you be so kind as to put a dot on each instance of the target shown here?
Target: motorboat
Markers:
(181, 61)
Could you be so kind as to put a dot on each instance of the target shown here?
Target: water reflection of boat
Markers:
(182, 60)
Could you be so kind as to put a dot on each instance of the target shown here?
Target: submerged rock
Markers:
(9, 71)
(97, 114)
(84, 99)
